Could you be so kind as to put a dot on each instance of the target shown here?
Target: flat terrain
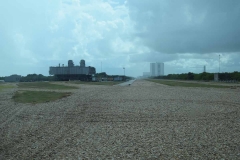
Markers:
(109, 83)
(45, 85)
(146, 120)
(195, 83)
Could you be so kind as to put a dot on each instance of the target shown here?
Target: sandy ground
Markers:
(141, 121)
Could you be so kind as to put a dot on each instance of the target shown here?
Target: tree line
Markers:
(40, 77)
(205, 76)
(37, 77)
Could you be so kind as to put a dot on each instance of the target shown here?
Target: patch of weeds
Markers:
(186, 84)
(44, 85)
(38, 96)
(3, 86)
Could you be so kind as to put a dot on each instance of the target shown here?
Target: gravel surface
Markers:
(142, 121)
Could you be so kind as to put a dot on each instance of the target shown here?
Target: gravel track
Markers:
(142, 121)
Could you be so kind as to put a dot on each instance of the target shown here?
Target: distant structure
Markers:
(157, 69)
(82, 63)
(13, 78)
(72, 72)
(216, 77)
(204, 68)
(146, 74)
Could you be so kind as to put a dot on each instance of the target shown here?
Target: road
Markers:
(126, 83)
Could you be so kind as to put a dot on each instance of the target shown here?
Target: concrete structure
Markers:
(13, 78)
(82, 63)
(73, 72)
(157, 69)
(71, 69)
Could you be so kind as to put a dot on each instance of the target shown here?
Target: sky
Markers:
(185, 35)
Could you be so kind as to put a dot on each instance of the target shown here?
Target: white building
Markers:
(157, 69)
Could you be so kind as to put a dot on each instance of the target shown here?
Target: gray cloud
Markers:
(153, 57)
(187, 26)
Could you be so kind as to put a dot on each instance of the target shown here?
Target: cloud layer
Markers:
(184, 34)
(187, 26)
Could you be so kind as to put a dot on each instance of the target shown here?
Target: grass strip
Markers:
(3, 86)
(186, 84)
(38, 96)
(44, 85)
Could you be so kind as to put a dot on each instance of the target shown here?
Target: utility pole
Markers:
(124, 70)
(101, 66)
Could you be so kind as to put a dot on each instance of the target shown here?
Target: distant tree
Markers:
(190, 76)
(183, 76)
(102, 74)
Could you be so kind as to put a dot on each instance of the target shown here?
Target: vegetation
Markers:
(35, 77)
(44, 85)
(38, 96)
(186, 84)
(205, 76)
(40, 77)
(111, 77)
(108, 83)
(3, 86)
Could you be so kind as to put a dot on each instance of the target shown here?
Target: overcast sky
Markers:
(184, 34)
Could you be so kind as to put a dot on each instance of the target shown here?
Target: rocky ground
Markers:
(142, 121)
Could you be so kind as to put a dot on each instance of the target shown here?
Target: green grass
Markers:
(3, 86)
(44, 85)
(186, 84)
(108, 83)
(38, 96)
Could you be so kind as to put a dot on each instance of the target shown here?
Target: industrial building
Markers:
(13, 78)
(72, 72)
(157, 69)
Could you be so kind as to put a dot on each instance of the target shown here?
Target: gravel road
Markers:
(144, 121)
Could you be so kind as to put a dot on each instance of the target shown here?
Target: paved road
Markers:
(126, 83)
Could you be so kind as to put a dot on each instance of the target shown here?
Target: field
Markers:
(38, 96)
(5, 86)
(45, 85)
(188, 84)
(143, 121)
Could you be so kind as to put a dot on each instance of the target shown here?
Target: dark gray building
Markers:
(73, 72)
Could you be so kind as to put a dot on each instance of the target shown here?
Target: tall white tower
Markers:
(157, 69)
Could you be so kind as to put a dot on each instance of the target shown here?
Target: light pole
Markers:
(219, 63)
(124, 70)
